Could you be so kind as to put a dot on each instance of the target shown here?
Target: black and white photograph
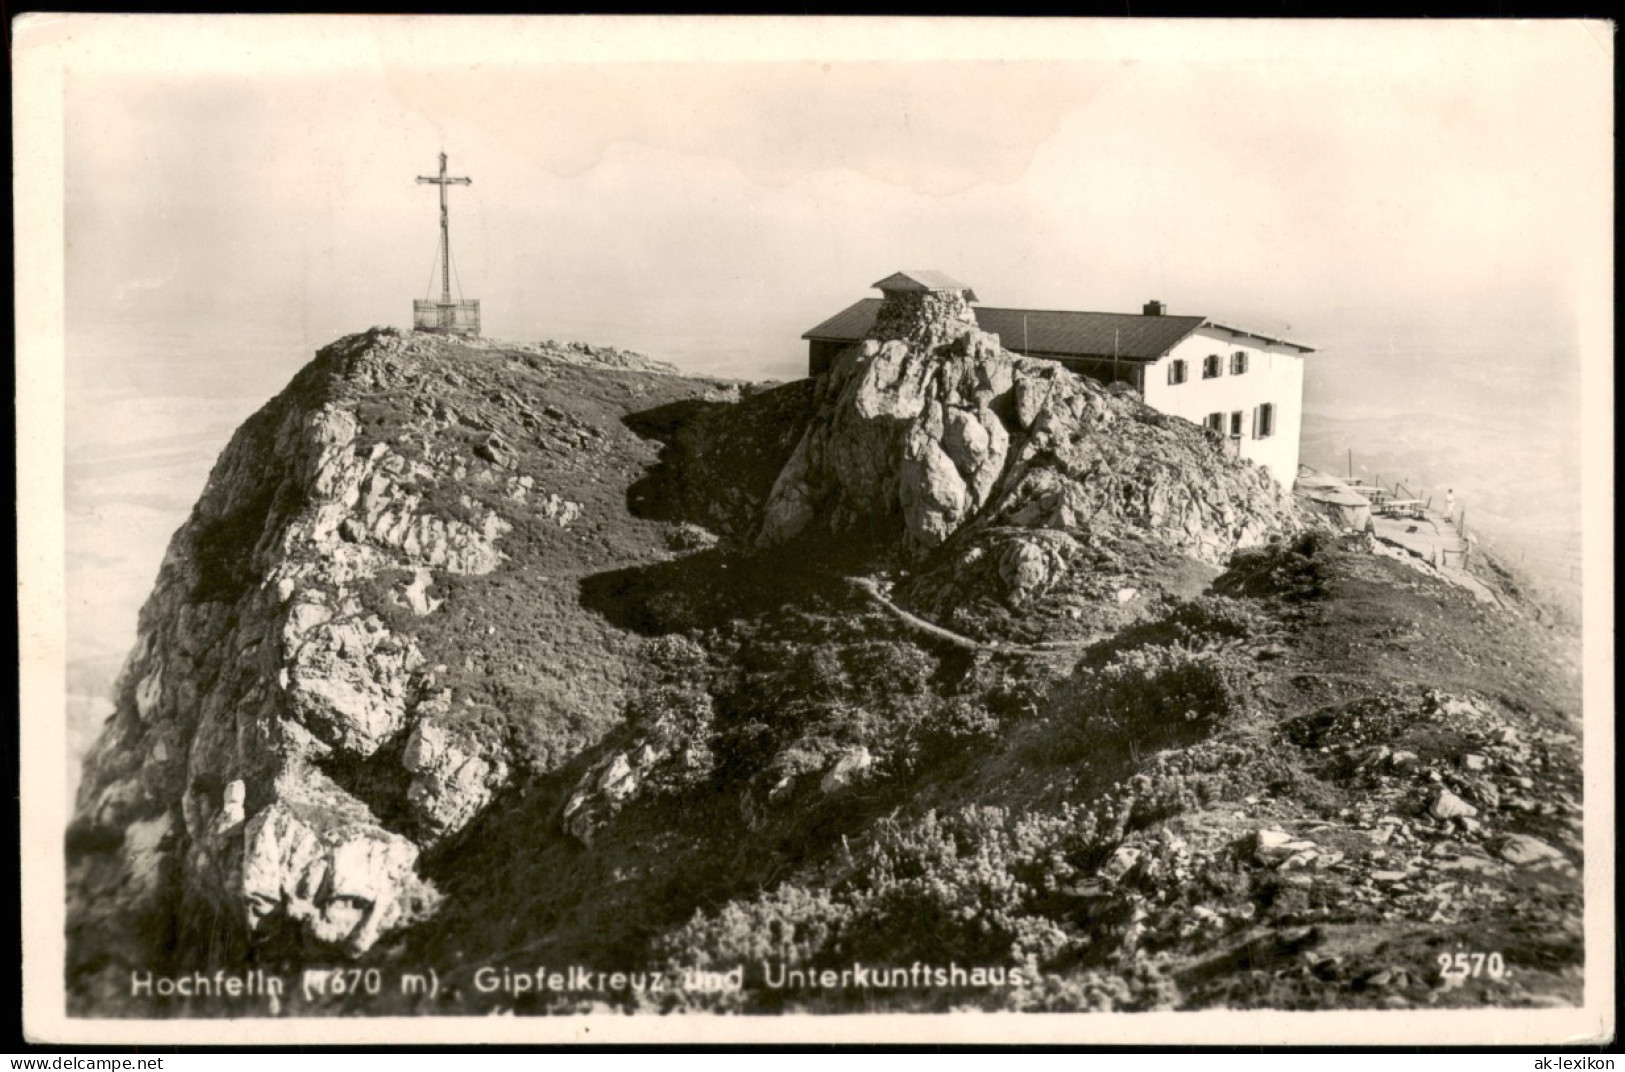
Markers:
(725, 530)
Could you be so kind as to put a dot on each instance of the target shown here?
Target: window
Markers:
(1264, 421)
(1235, 425)
(1210, 366)
(1214, 423)
(1176, 371)
(1238, 363)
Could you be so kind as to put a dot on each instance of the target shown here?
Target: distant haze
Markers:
(1421, 201)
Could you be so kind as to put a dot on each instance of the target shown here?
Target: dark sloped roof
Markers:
(848, 325)
(922, 279)
(1128, 336)
(1048, 331)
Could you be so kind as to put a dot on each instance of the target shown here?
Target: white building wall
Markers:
(1274, 375)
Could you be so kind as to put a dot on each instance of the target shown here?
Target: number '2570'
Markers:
(1459, 966)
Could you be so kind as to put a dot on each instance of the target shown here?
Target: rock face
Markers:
(260, 682)
(372, 626)
(930, 426)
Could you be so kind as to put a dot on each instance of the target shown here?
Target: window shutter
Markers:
(1258, 427)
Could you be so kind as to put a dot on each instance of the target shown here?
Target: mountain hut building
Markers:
(1244, 386)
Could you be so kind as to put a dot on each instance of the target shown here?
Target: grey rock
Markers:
(344, 887)
(1447, 805)
(1120, 862)
(1525, 851)
(1271, 838)
(453, 776)
(846, 771)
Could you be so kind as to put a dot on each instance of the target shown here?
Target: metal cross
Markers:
(443, 181)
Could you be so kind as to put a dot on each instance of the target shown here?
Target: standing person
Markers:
(1450, 503)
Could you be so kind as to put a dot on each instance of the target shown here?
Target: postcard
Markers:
(724, 530)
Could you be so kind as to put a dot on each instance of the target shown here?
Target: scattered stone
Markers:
(1120, 863)
(495, 451)
(1486, 794)
(1447, 805)
(1524, 851)
(518, 488)
(1468, 862)
(560, 511)
(1474, 762)
(1269, 838)
(846, 771)
(417, 594)
(1373, 754)
(1389, 876)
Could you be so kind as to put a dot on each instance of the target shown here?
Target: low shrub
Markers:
(1293, 573)
(1152, 697)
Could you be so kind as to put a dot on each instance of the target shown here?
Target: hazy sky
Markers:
(1371, 187)
(1429, 202)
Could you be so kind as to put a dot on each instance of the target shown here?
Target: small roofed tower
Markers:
(924, 307)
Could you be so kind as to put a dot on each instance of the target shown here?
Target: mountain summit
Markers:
(477, 654)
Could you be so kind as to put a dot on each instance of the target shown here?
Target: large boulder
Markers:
(933, 429)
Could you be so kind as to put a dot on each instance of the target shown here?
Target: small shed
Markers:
(1332, 499)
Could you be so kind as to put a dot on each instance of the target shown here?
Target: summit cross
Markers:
(443, 180)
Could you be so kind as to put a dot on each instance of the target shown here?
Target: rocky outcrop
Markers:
(343, 885)
(454, 773)
(930, 426)
(612, 781)
(903, 427)
(262, 681)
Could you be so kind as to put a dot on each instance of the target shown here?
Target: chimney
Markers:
(1153, 308)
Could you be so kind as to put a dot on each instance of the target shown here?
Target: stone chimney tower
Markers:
(926, 308)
